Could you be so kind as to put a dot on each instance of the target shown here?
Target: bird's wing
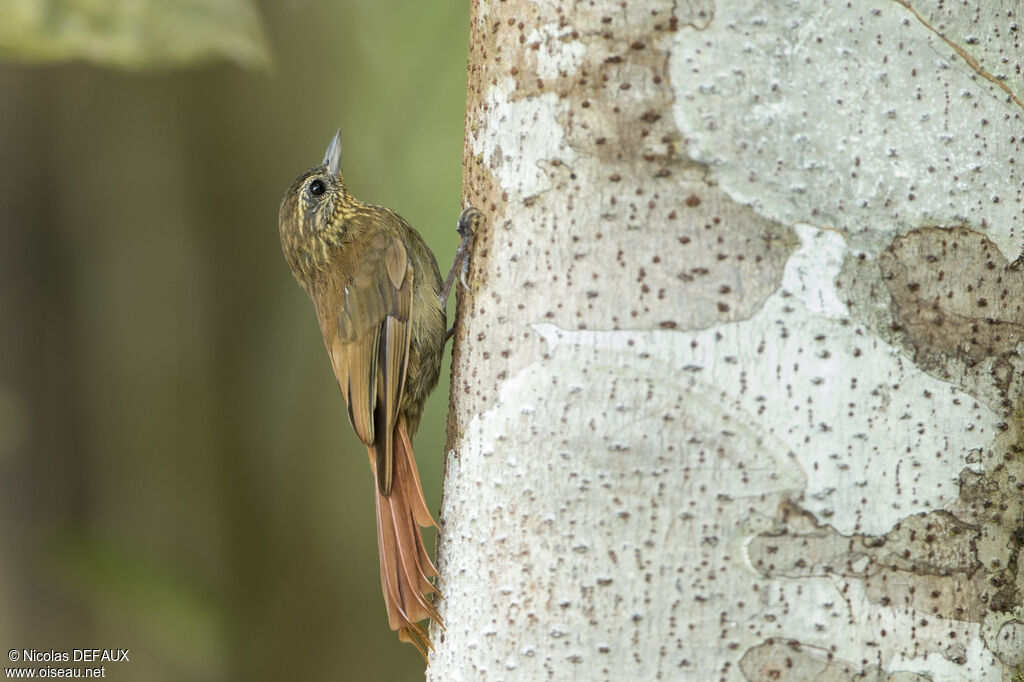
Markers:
(370, 346)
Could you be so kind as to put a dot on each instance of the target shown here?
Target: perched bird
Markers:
(381, 306)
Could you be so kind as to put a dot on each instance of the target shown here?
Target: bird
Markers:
(380, 303)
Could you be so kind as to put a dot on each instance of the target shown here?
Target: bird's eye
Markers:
(317, 187)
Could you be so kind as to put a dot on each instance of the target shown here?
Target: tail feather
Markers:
(419, 505)
(405, 568)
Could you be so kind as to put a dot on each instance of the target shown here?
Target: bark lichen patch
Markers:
(921, 293)
(994, 499)
(954, 294)
(779, 660)
(928, 562)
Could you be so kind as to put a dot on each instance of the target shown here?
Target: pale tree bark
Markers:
(737, 388)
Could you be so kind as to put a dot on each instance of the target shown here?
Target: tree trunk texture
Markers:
(737, 390)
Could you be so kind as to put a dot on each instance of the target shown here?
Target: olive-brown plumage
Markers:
(375, 287)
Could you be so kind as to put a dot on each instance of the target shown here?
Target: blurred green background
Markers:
(177, 474)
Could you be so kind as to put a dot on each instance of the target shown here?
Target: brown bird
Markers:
(381, 306)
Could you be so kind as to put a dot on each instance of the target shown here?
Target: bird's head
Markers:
(309, 211)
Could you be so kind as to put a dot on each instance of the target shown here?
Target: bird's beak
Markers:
(332, 159)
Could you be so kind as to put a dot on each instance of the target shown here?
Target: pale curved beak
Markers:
(332, 159)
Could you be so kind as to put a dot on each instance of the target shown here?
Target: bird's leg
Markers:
(460, 263)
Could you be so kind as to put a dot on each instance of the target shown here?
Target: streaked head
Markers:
(308, 210)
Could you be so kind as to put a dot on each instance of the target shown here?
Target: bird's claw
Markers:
(466, 221)
(460, 265)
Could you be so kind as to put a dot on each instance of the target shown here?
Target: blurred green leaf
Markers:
(133, 34)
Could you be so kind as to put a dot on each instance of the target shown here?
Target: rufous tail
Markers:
(405, 568)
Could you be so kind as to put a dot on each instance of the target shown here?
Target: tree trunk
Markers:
(737, 384)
